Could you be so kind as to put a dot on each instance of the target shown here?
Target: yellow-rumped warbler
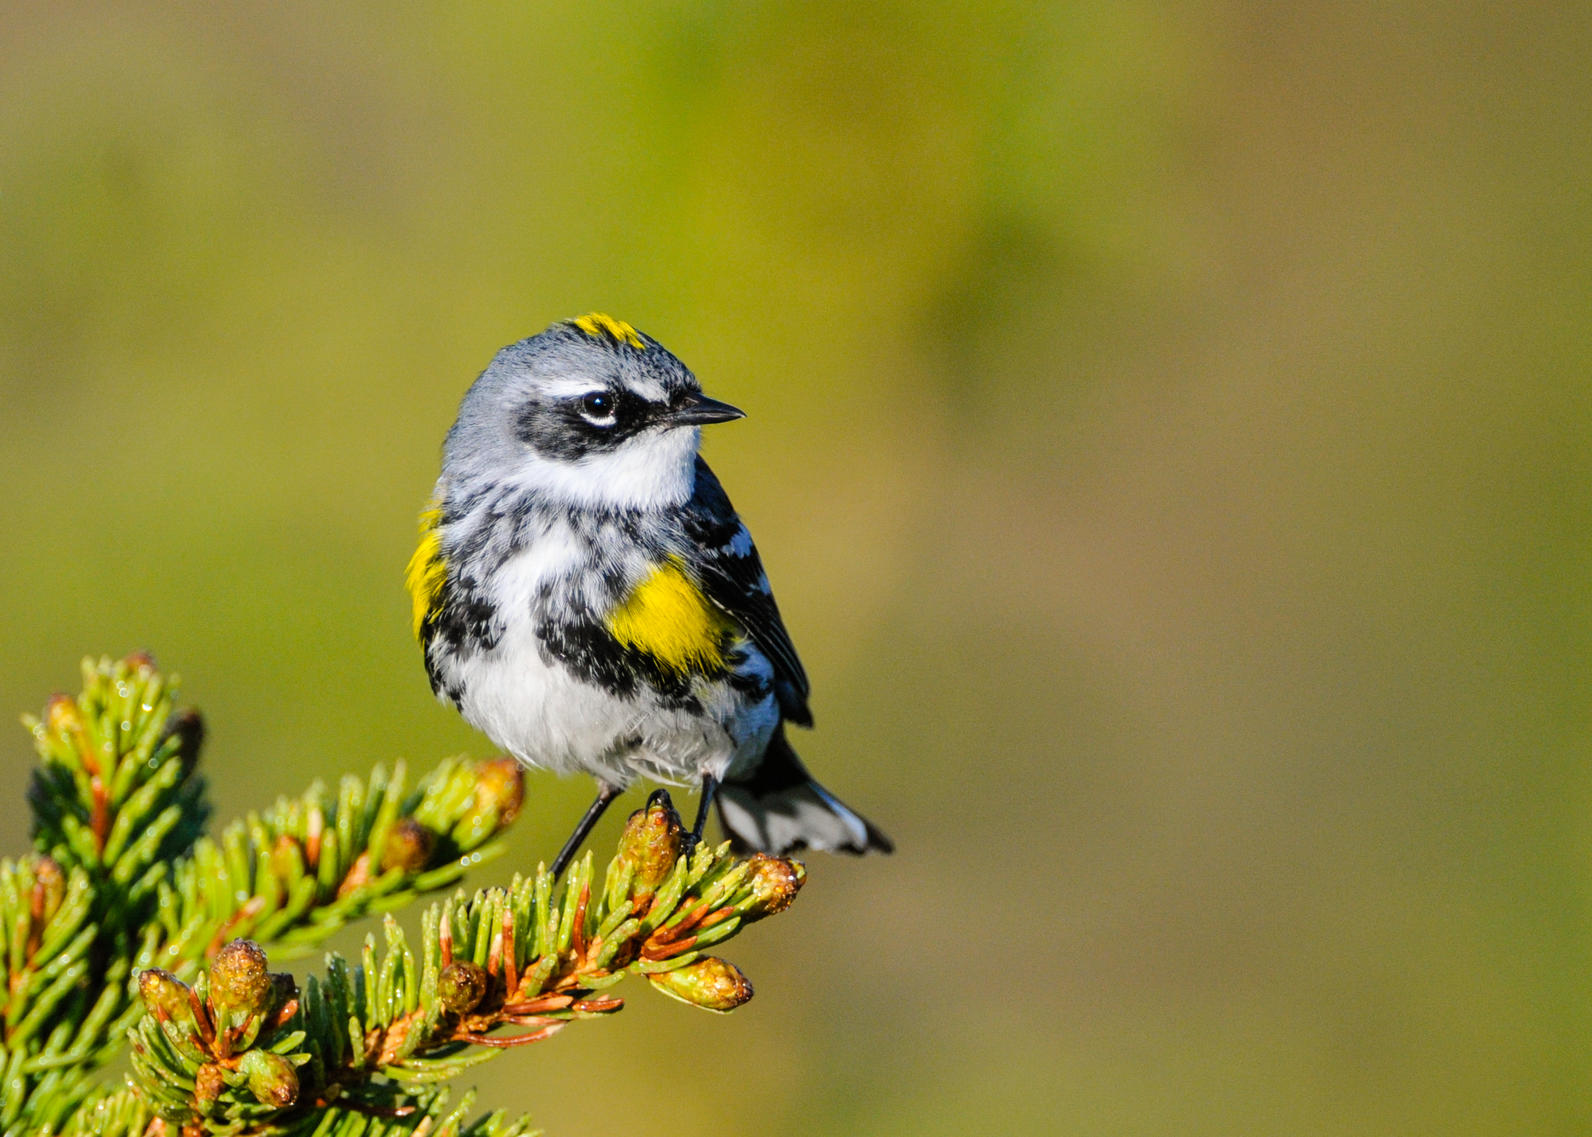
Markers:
(587, 597)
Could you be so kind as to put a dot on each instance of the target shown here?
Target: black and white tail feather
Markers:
(780, 809)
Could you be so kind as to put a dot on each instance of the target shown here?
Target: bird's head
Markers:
(589, 413)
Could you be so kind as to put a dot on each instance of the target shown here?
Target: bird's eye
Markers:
(598, 408)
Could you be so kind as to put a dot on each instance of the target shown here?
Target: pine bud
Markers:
(208, 1083)
(165, 996)
(272, 1078)
(284, 989)
(188, 728)
(62, 717)
(461, 986)
(239, 979)
(775, 882)
(710, 983)
(408, 848)
(500, 789)
(651, 844)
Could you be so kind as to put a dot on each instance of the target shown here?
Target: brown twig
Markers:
(514, 1040)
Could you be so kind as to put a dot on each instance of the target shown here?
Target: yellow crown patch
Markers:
(598, 325)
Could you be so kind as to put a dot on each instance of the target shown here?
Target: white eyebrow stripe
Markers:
(572, 386)
(649, 389)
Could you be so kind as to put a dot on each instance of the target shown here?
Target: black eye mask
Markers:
(565, 428)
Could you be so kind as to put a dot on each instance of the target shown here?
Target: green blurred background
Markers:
(1169, 433)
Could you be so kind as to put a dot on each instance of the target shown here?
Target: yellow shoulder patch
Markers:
(667, 617)
(599, 324)
(426, 573)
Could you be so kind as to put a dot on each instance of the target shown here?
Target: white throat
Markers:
(653, 470)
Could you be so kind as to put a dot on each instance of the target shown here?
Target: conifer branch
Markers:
(117, 792)
(242, 1048)
(429, 1114)
(311, 864)
(123, 878)
(128, 923)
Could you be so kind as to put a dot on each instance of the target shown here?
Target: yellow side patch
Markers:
(667, 617)
(599, 324)
(426, 573)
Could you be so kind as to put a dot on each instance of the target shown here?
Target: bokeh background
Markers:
(1168, 436)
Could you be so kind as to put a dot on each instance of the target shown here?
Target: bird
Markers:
(585, 595)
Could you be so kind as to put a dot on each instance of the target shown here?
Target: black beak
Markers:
(696, 409)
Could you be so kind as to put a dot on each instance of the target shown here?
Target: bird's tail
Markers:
(778, 808)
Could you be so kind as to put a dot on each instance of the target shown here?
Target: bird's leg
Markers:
(605, 795)
(710, 789)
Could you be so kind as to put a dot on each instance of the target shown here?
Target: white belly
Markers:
(544, 716)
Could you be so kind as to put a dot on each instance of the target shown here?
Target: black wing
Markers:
(733, 578)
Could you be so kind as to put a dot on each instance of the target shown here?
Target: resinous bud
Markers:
(775, 881)
(208, 1082)
(461, 986)
(62, 716)
(272, 1078)
(500, 789)
(710, 983)
(165, 996)
(239, 979)
(284, 989)
(651, 844)
(409, 846)
(188, 728)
